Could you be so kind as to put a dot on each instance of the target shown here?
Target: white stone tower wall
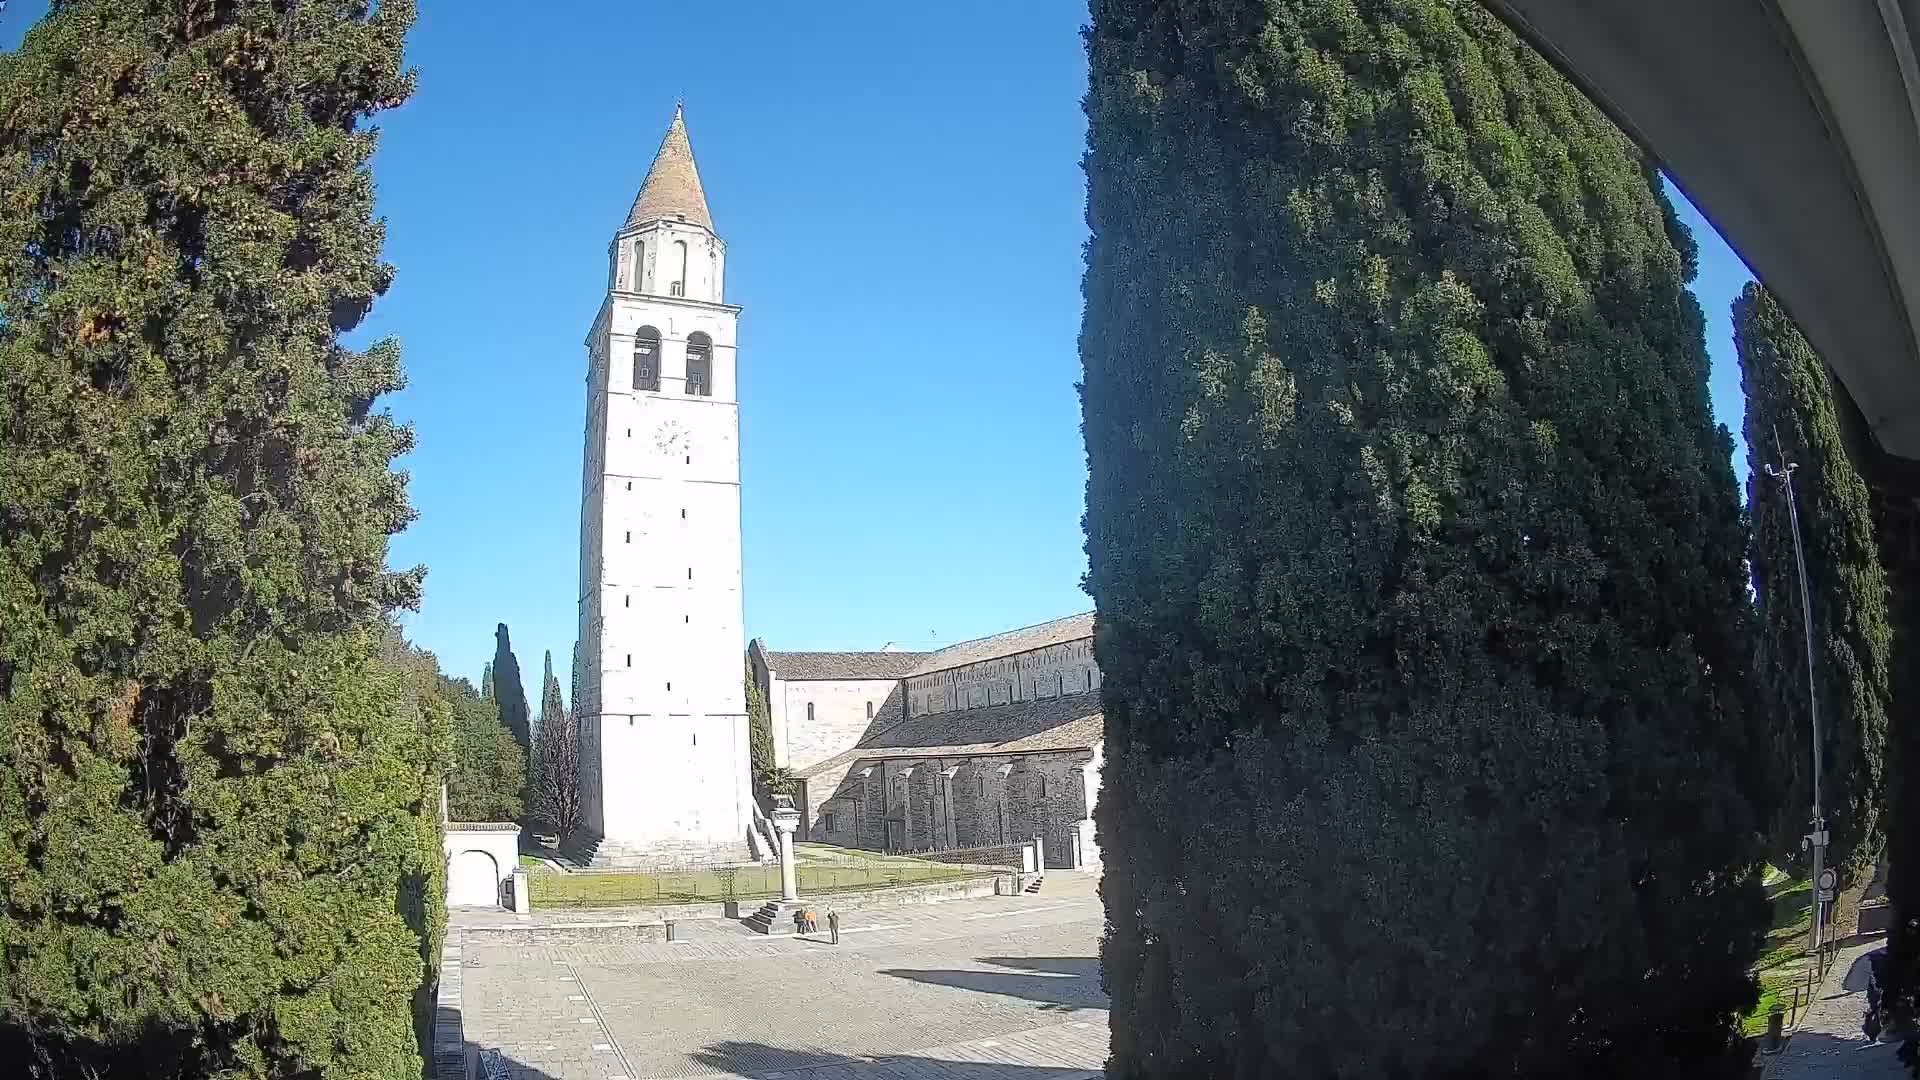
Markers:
(664, 754)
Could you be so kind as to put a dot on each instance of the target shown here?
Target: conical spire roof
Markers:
(672, 188)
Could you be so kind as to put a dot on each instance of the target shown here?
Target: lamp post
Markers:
(1816, 841)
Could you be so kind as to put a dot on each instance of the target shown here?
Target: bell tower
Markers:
(663, 725)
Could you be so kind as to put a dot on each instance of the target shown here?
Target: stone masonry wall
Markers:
(1042, 673)
(841, 711)
(1042, 793)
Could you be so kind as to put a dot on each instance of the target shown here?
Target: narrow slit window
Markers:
(869, 710)
(629, 659)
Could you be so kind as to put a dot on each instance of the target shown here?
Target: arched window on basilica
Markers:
(646, 359)
(699, 364)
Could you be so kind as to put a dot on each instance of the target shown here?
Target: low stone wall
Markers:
(602, 920)
(451, 1059)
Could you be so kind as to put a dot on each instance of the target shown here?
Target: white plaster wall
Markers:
(839, 717)
(653, 244)
(500, 848)
(1041, 673)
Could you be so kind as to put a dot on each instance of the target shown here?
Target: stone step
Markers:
(775, 918)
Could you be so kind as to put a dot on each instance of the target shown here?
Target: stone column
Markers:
(1040, 852)
(946, 804)
(785, 820)
(1087, 854)
(906, 808)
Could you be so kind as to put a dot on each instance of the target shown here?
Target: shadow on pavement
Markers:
(759, 1060)
(1057, 982)
(1817, 1054)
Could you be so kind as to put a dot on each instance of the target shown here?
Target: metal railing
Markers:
(751, 882)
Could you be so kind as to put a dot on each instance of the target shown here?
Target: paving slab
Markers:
(1000, 988)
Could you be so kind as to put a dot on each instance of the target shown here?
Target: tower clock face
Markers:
(672, 438)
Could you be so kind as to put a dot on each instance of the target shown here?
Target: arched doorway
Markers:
(473, 880)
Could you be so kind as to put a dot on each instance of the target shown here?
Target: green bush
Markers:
(1418, 562)
(1791, 412)
(218, 853)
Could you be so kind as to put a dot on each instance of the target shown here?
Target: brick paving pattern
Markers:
(1005, 988)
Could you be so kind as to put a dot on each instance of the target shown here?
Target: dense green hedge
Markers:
(218, 848)
(1790, 412)
(1418, 561)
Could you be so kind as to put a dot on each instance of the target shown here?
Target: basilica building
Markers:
(984, 743)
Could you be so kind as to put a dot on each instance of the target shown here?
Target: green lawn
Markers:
(1792, 900)
(733, 883)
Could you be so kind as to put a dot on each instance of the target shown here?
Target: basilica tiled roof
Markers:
(1071, 722)
(1025, 639)
(801, 666)
(672, 188)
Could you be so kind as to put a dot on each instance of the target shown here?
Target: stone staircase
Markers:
(1033, 884)
(760, 836)
(775, 918)
(587, 851)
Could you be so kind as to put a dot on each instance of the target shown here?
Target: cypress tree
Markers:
(1791, 413)
(216, 796)
(1897, 524)
(508, 691)
(1418, 561)
(552, 707)
(759, 734)
(556, 769)
(489, 780)
(486, 682)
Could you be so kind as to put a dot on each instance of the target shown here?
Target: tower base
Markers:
(600, 853)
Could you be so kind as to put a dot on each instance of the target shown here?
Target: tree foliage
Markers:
(1791, 413)
(1897, 525)
(759, 730)
(1417, 558)
(217, 796)
(508, 692)
(556, 760)
(423, 893)
(489, 777)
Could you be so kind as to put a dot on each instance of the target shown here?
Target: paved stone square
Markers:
(1829, 1043)
(1002, 988)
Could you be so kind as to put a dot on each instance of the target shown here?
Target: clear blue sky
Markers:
(900, 191)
